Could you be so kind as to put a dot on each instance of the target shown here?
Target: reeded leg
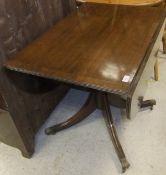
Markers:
(111, 128)
(85, 111)
(164, 41)
(156, 72)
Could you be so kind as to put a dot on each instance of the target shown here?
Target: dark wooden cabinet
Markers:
(21, 23)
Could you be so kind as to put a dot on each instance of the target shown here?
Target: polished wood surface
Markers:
(132, 2)
(95, 47)
(126, 2)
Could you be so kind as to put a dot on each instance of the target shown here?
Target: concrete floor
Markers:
(86, 149)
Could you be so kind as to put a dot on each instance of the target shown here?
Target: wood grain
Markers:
(94, 47)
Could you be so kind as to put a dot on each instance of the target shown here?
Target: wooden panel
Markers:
(100, 44)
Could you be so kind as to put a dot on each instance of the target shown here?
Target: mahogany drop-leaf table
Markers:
(108, 50)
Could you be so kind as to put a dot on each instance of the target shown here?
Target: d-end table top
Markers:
(98, 46)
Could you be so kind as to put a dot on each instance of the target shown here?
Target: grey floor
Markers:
(86, 149)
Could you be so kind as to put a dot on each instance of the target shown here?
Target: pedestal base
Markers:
(94, 101)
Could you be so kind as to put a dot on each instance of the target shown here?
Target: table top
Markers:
(98, 46)
(126, 2)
